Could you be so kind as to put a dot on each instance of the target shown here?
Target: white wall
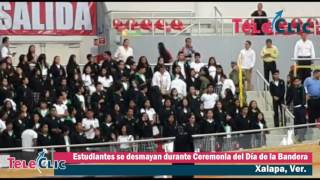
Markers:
(227, 8)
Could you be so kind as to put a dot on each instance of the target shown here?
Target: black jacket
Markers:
(7, 141)
(279, 90)
(296, 95)
(243, 123)
(213, 127)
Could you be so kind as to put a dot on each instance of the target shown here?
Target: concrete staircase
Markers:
(275, 137)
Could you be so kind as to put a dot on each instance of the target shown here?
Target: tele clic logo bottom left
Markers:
(40, 162)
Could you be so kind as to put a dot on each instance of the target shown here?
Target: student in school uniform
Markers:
(277, 90)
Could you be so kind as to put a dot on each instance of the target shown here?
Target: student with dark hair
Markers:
(243, 123)
(183, 63)
(192, 127)
(24, 94)
(183, 112)
(194, 102)
(44, 138)
(197, 64)
(57, 71)
(72, 66)
(253, 110)
(194, 80)
(24, 65)
(170, 128)
(8, 138)
(108, 62)
(42, 65)
(78, 137)
(277, 90)
(94, 67)
(164, 53)
(143, 62)
(259, 138)
(205, 79)
(31, 55)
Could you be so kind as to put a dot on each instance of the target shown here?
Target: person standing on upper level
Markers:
(259, 22)
(269, 55)
(124, 51)
(247, 60)
(5, 49)
(188, 50)
(304, 49)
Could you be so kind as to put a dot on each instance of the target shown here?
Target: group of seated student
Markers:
(118, 100)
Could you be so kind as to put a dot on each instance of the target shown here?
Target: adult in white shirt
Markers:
(162, 79)
(124, 51)
(247, 59)
(179, 85)
(227, 84)
(304, 49)
(5, 49)
(209, 98)
(89, 125)
(105, 78)
(197, 64)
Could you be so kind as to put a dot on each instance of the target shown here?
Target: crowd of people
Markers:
(123, 99)
(117, 100)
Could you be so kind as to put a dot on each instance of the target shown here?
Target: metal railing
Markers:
(169, 139)
(286, 114)
(265, 91)
(226, 27)
(296, 66)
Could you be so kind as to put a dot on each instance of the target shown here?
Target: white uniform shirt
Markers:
(123, 53)
(212, 71)
(27, 138)
(4, 52)
(180, 86)
(2, 126)
(247, 58)
(123, 138)
(304, 48)
(61, 109)
(86, 123)
(162, 81)
(209, 100)
(197, 66)
(106, 82)
(228, 84)
(150, 112)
